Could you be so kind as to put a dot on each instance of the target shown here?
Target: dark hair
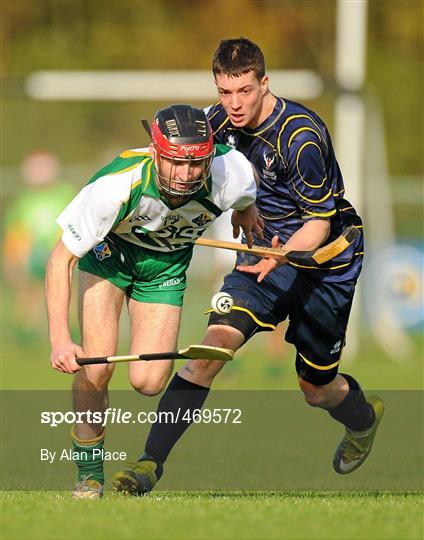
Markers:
(237, 56)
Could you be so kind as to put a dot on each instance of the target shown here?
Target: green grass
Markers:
(326, 516)
(197, 516)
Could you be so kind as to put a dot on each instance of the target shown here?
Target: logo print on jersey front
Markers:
(269, 158)
(140, 218)
(202, 220)
(172, 219)
(102, 251)
(231, 141)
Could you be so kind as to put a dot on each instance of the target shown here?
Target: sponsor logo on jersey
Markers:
(74, 232)
(170, 282)
(202, 220)
(140, 218)
(231, 141)
(171, 219)
(102, 251)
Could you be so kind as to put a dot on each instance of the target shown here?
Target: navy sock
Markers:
(354, 411)
(181, 398)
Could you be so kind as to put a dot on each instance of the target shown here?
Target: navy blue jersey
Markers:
(300, 178)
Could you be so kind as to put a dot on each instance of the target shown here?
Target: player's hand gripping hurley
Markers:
(192, 352)
(318, 256)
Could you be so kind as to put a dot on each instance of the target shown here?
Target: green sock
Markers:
(89, 460)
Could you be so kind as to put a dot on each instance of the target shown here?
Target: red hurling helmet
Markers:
(182, 134)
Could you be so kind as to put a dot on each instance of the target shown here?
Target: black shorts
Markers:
(318, 314)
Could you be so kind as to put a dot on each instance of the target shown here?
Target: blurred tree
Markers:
(182, 34)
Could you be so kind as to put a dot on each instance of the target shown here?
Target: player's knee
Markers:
(315, 395)
(224, 336)
(148, 385)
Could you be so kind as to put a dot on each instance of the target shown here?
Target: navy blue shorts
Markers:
(318, 314)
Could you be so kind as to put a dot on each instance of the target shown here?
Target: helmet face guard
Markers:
(181, 136)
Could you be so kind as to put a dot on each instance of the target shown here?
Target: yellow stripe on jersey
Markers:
(339, 193)
(293, 135)
(261, 138)
(269, 125)
(298, 170)
(316, 366)
(312, 200)
(320, 214)
(149, 175)
(133, 186)
(222, 125)
(131, 153)
(216, 112)
(126, 169)
(289, 119)
(276, 218)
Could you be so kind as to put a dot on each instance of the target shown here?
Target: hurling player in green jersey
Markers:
(29, 236)
(132, 229)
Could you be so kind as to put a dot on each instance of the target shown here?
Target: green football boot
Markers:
(139, 479)
(355, 447)
(88, 488)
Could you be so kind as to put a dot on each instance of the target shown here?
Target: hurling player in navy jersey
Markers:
(301, 199)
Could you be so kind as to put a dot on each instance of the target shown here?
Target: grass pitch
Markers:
(215, 516)
(198, 516)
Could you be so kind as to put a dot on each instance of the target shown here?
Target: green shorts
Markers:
(145, 275)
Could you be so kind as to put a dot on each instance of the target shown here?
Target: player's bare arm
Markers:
(58, 294)
(309, 237)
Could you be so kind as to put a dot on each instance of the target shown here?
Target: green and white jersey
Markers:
(123, 198)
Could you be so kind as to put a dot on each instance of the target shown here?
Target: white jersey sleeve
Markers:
(233, 183)
(92, 213)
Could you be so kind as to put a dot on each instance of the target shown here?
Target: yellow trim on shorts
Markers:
(245, 310)
(321, 368)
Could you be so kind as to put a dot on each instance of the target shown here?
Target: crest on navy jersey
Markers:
(270, 162)
(102, 251)
(269, 158)
(202, 220)
(231, 140)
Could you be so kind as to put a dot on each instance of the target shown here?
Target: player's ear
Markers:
(264, 84)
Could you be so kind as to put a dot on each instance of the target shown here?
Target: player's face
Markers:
(180, 178)
(242, 97)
